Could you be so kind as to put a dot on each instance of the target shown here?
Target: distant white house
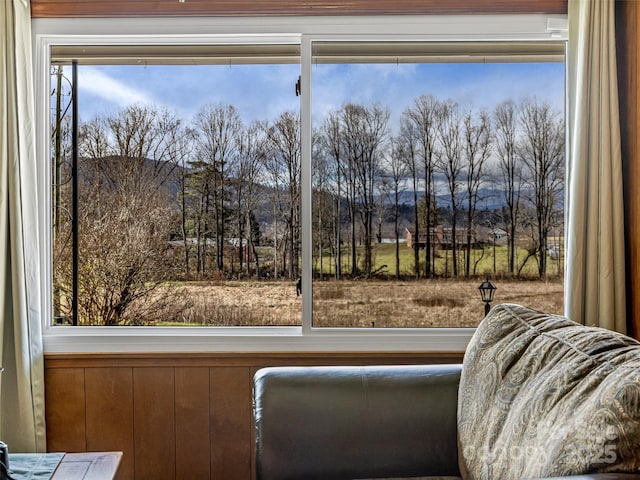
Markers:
(191, 242)
(499, 236)
(442, 237)
(555, 250)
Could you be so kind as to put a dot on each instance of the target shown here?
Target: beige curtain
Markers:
(22, 382)
(595, 292)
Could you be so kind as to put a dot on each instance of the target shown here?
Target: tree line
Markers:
(361, 166)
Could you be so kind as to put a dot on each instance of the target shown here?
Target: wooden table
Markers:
(88, 466)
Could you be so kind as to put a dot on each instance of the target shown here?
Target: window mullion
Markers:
(74, 210)
(305, 200)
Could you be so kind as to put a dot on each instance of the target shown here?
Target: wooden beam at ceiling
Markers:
(159, 8)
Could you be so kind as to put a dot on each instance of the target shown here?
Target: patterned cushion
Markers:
(543, 396)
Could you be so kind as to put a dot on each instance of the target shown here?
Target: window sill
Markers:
(247, 339)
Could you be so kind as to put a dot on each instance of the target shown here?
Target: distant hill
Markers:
(488, 199)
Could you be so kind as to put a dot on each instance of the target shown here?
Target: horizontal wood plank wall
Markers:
(145, 8)
(175, 416)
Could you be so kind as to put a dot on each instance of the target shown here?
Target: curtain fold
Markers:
(21, 351)
(595, 260)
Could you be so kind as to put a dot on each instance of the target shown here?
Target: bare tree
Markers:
(218, 128)
(406, 148)
(477, 148)
(178, 151)
(284, 144)
(235, 209)
(134, 132)
(200, 186)
(510, 168)
(251, 159)
(450, 164)
(123, 248)
(542, 149)
(348, 172)
(330, 138)
(395, 172)
(125, 217)
(138, 150)
(322, 218)
(423, 116)
(274, 177)
(365, 131)
(528, 224)
(94, 141)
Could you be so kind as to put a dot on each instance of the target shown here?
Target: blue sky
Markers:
(264, 91)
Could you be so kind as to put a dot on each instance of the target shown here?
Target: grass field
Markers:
(350, 303)
(482, 261)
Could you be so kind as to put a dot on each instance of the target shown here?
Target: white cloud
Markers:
(101, 85)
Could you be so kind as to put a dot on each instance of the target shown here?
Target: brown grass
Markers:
(233, 303)
(360, 303)
(425, 303)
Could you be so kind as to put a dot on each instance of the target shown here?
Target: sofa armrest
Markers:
(356, 422)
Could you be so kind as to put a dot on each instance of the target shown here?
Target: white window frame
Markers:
(47, 32)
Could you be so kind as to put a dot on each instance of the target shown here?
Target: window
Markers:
(155, 188)
(423, 153)
(177, 200)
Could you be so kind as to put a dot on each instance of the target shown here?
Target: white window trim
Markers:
(47, 32)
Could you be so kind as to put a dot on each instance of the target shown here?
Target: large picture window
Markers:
(354, 177)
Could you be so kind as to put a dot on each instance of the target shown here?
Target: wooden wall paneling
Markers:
(145, 8)
(233, 359)
(154, 423)
(65, 410)
(110, 416)
(193, 440)
(192, 409)
(627, 46)
(231, 425)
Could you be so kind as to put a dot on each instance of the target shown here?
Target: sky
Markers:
(263, 92)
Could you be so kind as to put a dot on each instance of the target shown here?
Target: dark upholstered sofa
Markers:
(537, 396)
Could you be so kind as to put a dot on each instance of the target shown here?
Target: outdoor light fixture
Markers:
(487, 289)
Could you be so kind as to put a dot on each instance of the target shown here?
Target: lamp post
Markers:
(487, 289)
